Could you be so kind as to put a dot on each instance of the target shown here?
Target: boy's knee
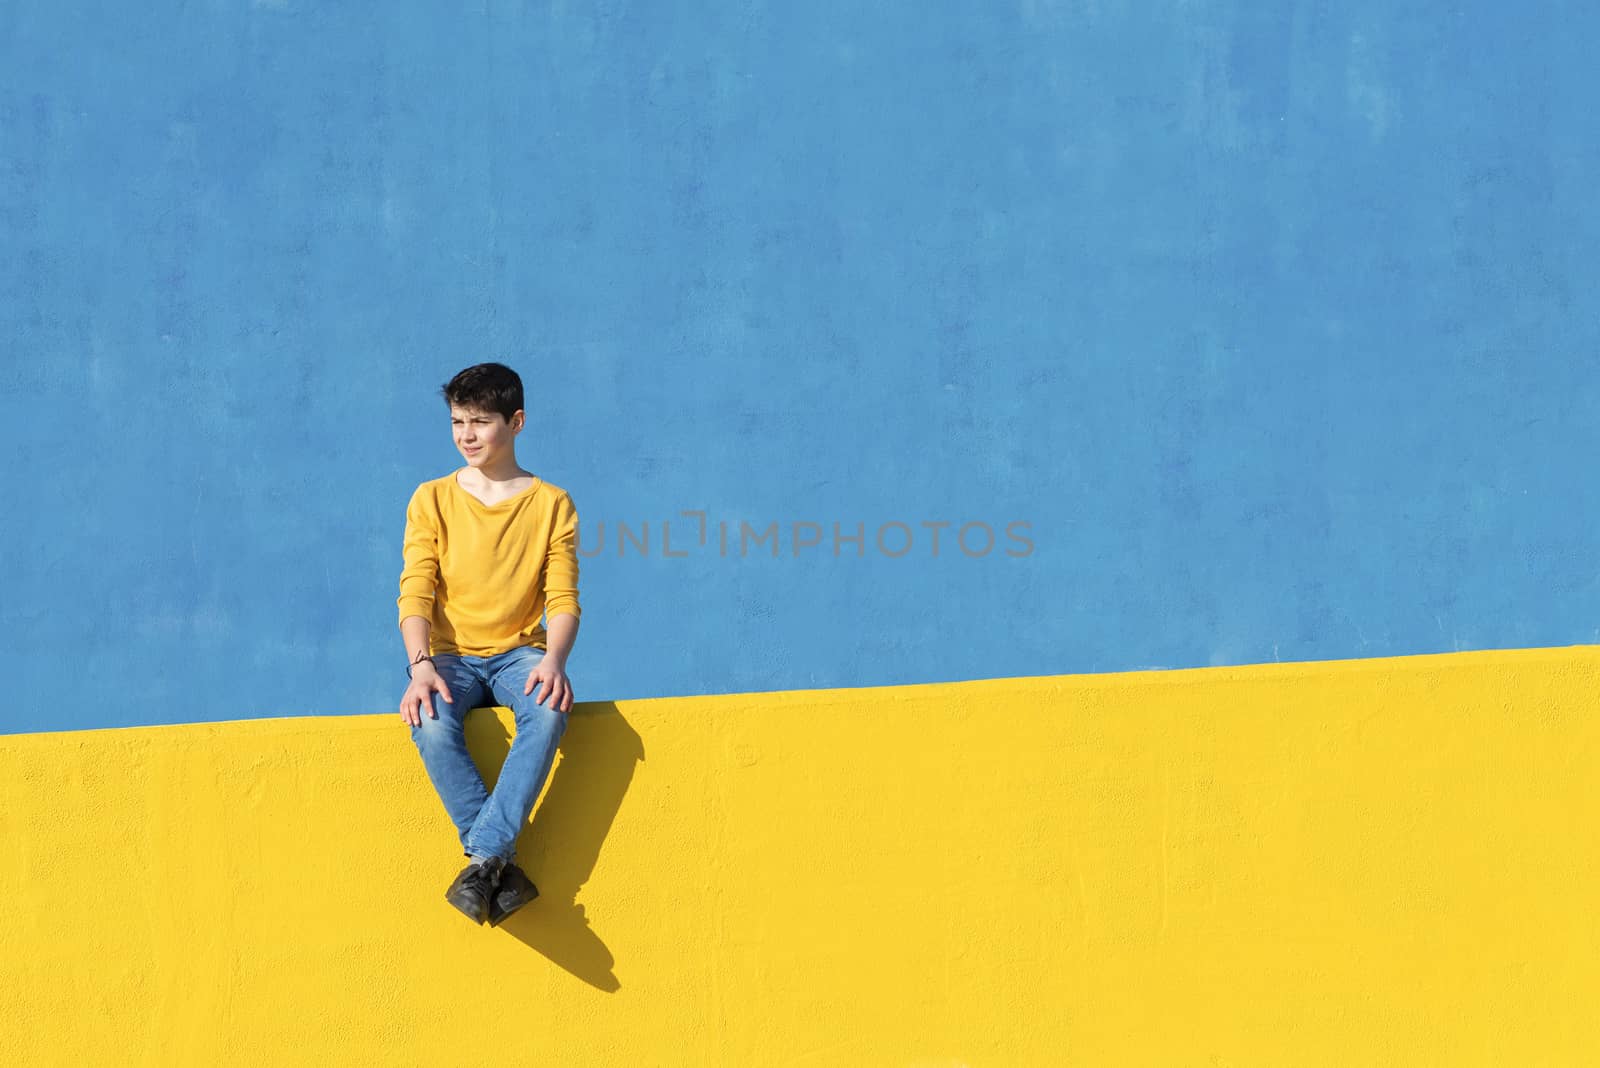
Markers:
(433, 729)
(538, 717)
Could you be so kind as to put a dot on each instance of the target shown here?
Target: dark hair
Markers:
(487, 387)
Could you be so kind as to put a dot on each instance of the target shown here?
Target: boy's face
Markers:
(484, 437)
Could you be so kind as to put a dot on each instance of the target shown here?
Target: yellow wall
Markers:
(1385, 861)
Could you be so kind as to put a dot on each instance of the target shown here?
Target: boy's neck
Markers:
(506, 470)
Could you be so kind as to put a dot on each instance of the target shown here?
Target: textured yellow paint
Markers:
(1366, 862)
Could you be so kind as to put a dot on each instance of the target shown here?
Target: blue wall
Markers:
(1275, 324)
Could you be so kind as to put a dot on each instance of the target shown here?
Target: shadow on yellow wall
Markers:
(594, 767)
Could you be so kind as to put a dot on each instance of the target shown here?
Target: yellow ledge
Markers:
(1359, 862)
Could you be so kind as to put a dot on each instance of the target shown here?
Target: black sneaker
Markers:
(514, 891)
(474, 888)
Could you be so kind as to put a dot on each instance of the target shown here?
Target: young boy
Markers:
(488, 548)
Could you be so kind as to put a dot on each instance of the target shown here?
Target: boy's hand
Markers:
(552, 679)
(424, 682)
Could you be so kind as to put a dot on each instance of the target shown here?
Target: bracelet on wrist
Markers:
(420, 658)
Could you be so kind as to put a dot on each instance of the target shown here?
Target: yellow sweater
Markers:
(484, 574)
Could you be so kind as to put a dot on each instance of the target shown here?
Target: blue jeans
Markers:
(489, 823)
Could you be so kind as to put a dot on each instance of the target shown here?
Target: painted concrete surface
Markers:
(1374, 862)
(1271, 322)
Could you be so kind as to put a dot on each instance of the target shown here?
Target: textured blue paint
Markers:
(1276, 323)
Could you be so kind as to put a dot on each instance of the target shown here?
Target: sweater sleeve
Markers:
(561, 566)
(420, 576)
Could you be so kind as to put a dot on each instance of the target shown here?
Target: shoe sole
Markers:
(474, 917)
(496, 920)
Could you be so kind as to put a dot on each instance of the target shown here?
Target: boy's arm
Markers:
(561, 610)
(420, 576)
(550, 673)
(560, 632)
(418, 581)
(425, 681)
(415, 632)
